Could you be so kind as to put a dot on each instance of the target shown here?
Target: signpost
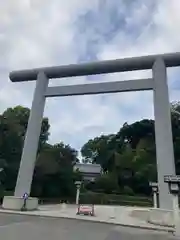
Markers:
(172, 178)
(173, 183)
(25, 197)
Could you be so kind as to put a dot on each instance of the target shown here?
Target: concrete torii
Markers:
(158, 83)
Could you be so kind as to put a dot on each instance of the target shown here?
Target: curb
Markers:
(153, 228)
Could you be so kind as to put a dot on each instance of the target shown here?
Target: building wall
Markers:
(88, 168)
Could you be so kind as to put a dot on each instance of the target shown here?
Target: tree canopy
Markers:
(130, 154)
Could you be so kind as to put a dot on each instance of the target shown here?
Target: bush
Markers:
(107, 182)
(128, 190)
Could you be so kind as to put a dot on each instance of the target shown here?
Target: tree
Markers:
(97, 151)
(13, 125)
(107, 182)
(136, 131)
(129, 155)
(54, 176)
(18, 118)
(175, 109)
(175, 113)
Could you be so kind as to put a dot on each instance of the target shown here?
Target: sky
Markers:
(38, 33)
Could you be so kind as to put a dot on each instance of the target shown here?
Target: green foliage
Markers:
(106, 183)
(54, 174)
(130, 155)
(112, 199)
(128, 191)
(13, 125)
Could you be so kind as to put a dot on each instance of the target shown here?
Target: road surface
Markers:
(21, 227)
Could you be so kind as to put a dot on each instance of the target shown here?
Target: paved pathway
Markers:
(104, 214)
(22, 227)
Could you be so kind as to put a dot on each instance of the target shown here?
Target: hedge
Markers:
(111, 199)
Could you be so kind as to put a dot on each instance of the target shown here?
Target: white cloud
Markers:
(40, 32)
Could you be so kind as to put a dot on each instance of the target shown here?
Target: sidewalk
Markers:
(118, 215)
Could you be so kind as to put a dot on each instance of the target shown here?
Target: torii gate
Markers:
(158, 83)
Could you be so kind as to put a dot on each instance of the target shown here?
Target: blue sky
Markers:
(35, 33)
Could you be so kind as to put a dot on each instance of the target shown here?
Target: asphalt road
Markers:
(19, 227)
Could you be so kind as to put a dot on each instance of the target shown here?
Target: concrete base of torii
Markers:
(156, 216)
(16, 203)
